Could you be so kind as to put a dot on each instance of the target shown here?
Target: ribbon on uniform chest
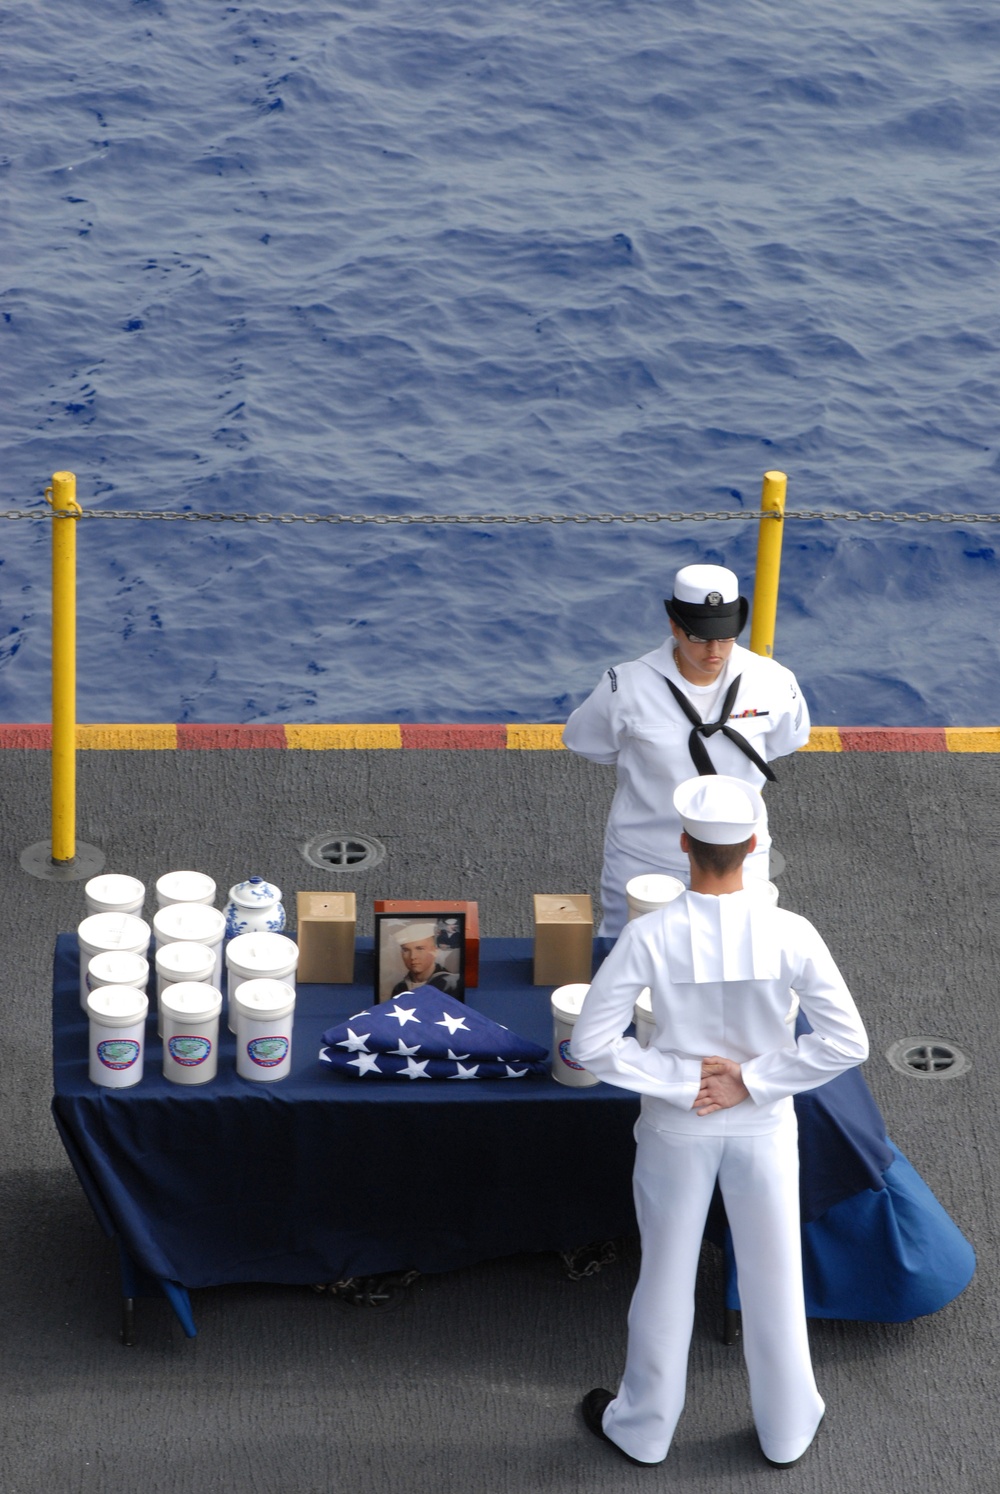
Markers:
(699, 752)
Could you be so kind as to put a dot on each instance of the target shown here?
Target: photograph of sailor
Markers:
(700, 703)
(450, 935)
(415, 951)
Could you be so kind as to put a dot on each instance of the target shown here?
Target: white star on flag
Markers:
(414, 1070)
(353, 1043)
(402, 1051)
(476, 1047)
(366, 1063)
(355, 1016)
(404, 1014)
(452, 1024)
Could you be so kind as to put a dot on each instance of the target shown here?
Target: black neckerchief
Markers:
(697, 748)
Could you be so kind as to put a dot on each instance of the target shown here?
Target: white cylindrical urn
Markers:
(189, 1012)
(259, 956)
(178, 962)
(116, 967)
(192, 923)
(651, 890)
(101, 932)
(567, 1002)
(117, 1035)
(642, 1016)
(264, 1012)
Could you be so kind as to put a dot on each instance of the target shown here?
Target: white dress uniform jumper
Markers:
(659, 729)
(634, 721)
(720, 970)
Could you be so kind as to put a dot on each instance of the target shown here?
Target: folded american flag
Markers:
(427, 1034)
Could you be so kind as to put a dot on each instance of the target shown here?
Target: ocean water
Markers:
(412, 256)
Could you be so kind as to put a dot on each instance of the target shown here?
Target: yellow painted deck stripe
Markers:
(972, 738)
(823, 739)
(154, 736)
(160, 736)
(354, 738)
(541, 738)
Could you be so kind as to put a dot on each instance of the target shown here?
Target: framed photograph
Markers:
(429, 908)
(419, 948)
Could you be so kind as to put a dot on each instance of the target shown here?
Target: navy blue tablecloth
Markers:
(320, 1176)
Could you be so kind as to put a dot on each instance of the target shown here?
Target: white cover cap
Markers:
(415, 931)
(118, 1006)
(118, 967)
(193, 923)
(185, 960)
(185, 887)
(114, 889)
(113, 931)
(265, 999)
(262, 954)
(697, 583)
(191, 1001)
(718, 809)
(567, 1001)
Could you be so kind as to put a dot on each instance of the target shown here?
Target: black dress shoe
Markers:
(792, 1461)
(593, 1406)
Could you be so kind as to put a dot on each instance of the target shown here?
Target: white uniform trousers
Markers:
(621, 866)
(674, 1178)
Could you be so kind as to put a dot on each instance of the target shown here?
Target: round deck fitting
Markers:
(343, 851)
(37, 862)
(928, 1058)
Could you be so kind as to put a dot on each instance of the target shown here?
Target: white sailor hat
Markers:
(707, 602)
(415, 931)
(718, 809)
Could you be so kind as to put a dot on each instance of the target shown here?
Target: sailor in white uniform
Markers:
(697, 704)
(716, 1084)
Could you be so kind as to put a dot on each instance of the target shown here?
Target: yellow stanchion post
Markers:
(62, 497)
(62, 857)
(769, 538)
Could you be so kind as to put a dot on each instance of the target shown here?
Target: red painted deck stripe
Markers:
(26, 735)
(893, 739)
(202, 737)
(454, 736)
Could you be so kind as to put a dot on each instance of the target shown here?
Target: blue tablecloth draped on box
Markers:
(319, 1177)
(876, 1244)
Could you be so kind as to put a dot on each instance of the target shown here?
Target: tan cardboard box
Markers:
(564, 938)
(326, 927)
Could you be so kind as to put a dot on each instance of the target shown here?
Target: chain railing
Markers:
(831, 515)
(62, 857)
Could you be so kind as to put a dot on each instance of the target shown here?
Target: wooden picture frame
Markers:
(419, 947)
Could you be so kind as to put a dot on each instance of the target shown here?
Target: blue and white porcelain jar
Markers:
(254, 906)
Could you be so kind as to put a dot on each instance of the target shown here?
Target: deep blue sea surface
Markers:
(571, 256)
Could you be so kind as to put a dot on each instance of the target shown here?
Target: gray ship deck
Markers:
(472, 1381)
